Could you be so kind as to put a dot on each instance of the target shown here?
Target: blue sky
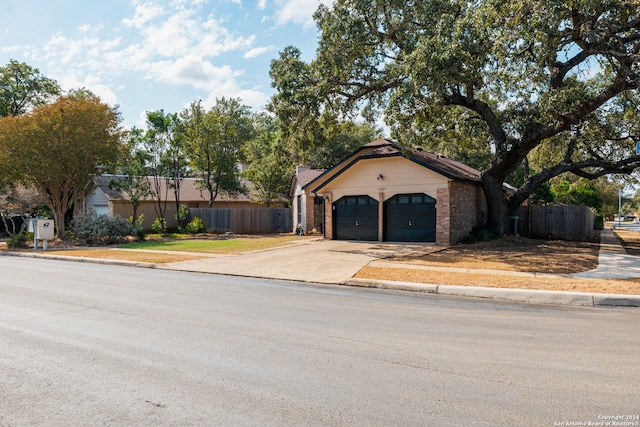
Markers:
(157, 54)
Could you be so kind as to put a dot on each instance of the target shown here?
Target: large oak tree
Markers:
(505, 79)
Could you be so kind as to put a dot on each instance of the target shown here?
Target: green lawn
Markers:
(215, 246)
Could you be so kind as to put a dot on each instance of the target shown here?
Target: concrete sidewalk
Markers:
(613, 261)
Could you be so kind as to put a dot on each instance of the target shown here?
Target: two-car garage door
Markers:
(407, 218)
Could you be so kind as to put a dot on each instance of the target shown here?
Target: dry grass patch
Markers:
(629, 239)
(514, 253)
(126, 255)
(631, 286)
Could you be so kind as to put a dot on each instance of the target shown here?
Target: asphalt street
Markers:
(89, 344)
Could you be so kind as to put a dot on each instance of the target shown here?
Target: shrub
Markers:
(195, 226)
(159, 225)
(479, 235)
(181, 216)
(17, 240)
(101, 228)
(138, 229)
(599, 222)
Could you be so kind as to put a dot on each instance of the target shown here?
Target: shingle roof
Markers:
(190, 190)
(308, 175)
(443, 165)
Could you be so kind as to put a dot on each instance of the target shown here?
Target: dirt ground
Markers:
(514, 253)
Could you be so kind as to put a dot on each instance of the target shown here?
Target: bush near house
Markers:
(101, 228)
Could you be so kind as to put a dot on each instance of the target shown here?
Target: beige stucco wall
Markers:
(400, 176)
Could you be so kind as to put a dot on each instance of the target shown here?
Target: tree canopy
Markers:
(505, 79)
(57, 148)
(213, 141)
(22, 87)
(269, 165)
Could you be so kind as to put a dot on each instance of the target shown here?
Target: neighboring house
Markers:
(110, 201)
(378, 194)
(308, 209)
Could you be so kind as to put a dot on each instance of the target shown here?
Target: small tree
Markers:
(155, 142)
(213, 140)
(133, 179)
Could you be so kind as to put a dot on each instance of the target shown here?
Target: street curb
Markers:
(123, 263)
(584, 299)
(502, 294)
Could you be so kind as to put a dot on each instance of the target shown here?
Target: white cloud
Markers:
(93, 83)
(170, 42)
(254, 98)
(257, 51)
(193, 71)
(144, 13)
(298, 11)
(183, 33)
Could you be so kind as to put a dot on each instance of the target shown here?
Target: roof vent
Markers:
(419, 148)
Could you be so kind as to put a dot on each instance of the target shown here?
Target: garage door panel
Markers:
(410, 218)
(356, 218)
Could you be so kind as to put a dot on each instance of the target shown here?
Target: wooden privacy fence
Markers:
(555, 222)
(244, 220)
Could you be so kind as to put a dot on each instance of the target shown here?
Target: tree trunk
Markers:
(496, 203)
(58, 214)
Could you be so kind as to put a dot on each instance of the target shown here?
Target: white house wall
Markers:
(98, 201)
(299, 208)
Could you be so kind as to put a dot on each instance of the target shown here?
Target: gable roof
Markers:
(382, 148)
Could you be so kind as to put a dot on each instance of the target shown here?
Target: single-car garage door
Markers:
(410, 218)
(355, 218)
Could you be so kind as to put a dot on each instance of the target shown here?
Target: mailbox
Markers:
(44, 229)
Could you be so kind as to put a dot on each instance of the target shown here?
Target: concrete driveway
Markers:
(320, 261)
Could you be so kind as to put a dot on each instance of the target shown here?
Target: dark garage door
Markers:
(410, 218)
(355, 218)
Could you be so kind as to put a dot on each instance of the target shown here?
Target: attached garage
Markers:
(356, 218)
(385, 192)
(410, 218)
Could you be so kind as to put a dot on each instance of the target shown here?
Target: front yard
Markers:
(511, 254)
(507, 257)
